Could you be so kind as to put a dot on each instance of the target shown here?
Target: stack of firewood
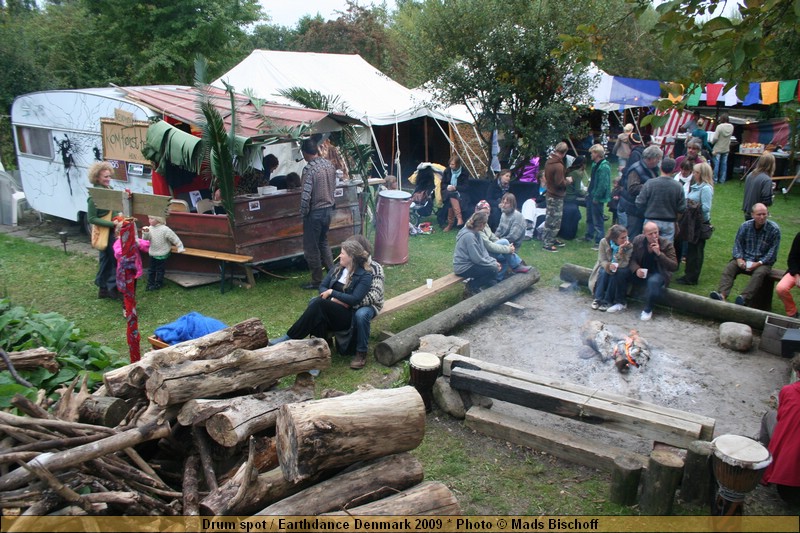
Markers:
(203, 427)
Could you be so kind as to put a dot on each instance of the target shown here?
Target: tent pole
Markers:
(425, 136)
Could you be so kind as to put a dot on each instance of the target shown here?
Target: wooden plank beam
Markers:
(455, 360)
(420, 293)
(610, 415)
(567, 446)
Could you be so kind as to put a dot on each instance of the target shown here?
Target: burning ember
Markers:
(626, 352)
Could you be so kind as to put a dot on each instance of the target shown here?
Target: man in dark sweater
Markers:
(556, 184)
(662, 199)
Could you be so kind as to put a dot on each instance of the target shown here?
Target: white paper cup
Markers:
(644, 272)
(429, 281)
(748, 264)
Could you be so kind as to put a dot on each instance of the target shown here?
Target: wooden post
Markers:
(400, 346)
(429, 498)
(663, 476)
(337, 432)
(625, 480)
(698, 479)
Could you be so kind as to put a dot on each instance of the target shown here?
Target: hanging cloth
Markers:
(769, 92)
(126, 284)
(712, 92)
(786, 91)
(752, 97)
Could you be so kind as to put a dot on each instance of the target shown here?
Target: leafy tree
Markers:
(157, 40)
(273, 37)
(358, 30)
(496, 56)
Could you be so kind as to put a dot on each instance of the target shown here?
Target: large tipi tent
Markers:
(391, 110)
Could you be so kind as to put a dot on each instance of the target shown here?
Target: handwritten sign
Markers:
(124, 142)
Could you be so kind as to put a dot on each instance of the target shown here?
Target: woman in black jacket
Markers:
(453, 188)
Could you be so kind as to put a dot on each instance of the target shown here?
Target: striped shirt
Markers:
(319, 182)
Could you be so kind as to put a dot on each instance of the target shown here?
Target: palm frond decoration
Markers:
(218, 144)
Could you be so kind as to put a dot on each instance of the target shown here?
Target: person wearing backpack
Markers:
(632, 181)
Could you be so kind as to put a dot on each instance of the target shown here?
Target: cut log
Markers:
(687, 302)
(85, 452)
(664, 472)
(33, 358)
(246, 415)
(400, 346)
(625, 480)
(336, 432)
(246, 495)
(698, 484)
(239, 370)
(129, 381)
(103, 411)
(191, 482)
(371, 481)
(429, 498)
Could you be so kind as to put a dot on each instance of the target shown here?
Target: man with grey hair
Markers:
(633, 180)
(556, 190)
(693, 148)
(662, 200)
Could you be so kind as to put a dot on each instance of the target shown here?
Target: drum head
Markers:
(740, 451)
(425, 361)
(395, 195)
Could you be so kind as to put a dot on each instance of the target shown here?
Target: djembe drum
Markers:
(738, 464)
(424, 371)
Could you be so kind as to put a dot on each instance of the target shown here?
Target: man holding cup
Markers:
(652, 263)
(755, 250)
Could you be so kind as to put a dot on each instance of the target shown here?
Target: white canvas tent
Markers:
(366, 92)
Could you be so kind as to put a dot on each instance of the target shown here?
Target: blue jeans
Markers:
(655, 288)
(595, 225)
(511, 261)
(361, 321)
(612, 288)
(720, 167)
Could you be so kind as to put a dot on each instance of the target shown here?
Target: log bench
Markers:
(585, 404)
(224, 258)
(420, 293)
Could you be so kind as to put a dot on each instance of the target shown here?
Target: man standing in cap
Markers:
(316, 207)
(556, 185)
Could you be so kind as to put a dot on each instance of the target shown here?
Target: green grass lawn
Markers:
(47, 279)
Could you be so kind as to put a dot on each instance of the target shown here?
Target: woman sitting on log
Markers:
(470, 258)
(345, 285)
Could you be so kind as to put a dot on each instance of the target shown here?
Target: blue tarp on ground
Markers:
(190, 326)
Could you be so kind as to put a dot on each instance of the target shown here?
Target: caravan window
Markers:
(35, 141)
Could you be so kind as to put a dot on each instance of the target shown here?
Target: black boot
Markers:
(151, 280)
(159, 281)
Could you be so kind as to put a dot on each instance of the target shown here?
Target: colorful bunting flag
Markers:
(769, 92)
(694, 96)
(712, 92)
(787, 90)
(752, 97)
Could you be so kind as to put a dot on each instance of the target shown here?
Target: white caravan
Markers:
(59, 134)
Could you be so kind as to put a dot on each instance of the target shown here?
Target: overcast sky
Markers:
(288, 12)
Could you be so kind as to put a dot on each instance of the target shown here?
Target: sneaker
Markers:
(603, 307)
(522, 269)
(558, 243)
(551, 248)
(310, 285)
(740, 300)
(683, 281)
(595, 304)
(646, 315)
(359, 361)
(587, 239)
(616, 308)
(596, 248)
(717, 296)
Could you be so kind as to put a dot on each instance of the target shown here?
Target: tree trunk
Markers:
(684, 301)
(248, 493)
(662, 478)
(625, 480)
(241, 369)
(371, 481)
(129, 381)
(85, 452)
(337, 432)
(246, 415)
(33, 358)
(103, 411)
(698, 479)
(429, 498)
(400, 346)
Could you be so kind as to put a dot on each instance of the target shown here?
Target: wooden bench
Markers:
(224, 258)
(785, 190)
(420, 293)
